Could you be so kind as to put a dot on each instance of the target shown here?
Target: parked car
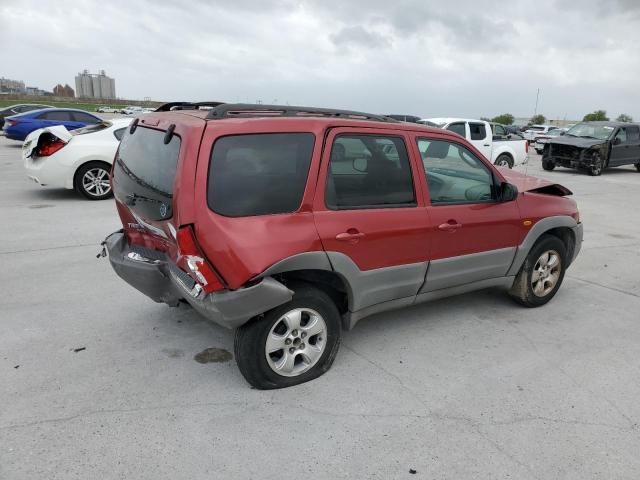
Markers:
(132, 110)
(404, 118)
(296, 224)
(505, 153)
(532, 131)
(542, 140)
(505, 132)
(17, 127)
(17, 109)
(594, 146)
(106, 109)
(79, 160)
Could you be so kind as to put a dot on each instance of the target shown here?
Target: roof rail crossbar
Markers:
(231, 110)
(166, 107)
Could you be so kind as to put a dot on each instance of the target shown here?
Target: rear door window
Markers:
(259, 174)
(84, 117)
(56, 116)
(633, 134)
(478, 131)
(145, 170)
(368, 171)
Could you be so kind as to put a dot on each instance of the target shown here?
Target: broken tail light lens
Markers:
(191, 260)
(49, 148)
(12, 122)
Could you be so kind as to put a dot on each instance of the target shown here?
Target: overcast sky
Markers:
(429, 58)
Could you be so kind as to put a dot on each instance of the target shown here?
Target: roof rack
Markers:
(166, 107)
(243, 110)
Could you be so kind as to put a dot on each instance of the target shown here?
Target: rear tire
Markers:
(548, 165)
(541, 273)
(637, 165)
(93, 180)
(504, 160)
(291, 344)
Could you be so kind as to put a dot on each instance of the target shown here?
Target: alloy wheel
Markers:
(546, 273)
(296, 342)
(95, 182)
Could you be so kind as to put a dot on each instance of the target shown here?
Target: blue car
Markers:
(17, 127)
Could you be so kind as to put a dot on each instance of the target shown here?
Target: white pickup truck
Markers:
(505, 153)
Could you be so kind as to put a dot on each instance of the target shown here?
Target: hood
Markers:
(579, 142)
(527, 183)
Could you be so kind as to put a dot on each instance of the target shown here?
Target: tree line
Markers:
(597, 115)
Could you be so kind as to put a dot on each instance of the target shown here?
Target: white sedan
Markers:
(79, 160)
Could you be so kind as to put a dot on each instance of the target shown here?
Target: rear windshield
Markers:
(145, 170)
(259, 174)
(91, 128)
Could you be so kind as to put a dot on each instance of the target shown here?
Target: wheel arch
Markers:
(82, 163)
(560, 226)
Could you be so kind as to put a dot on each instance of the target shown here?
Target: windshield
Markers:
(600, 132)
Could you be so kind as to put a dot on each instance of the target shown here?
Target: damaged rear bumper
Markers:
(155, 275)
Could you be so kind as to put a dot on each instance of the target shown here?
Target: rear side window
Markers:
(260, 174)
(367, 171)
(145, 170)
(56, 116)
(84, 117)
(478, 131)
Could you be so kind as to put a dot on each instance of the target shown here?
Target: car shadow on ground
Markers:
(47, 194)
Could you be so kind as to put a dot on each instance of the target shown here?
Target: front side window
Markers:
(369, 171)
(457, 128)
(478, 131)
(500, 131)
(259, 174)
(621, 136)
(454, 174)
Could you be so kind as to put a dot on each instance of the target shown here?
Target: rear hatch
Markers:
(152, 179)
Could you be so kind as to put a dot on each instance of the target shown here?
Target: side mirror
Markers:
(508, 192)
(617, 141)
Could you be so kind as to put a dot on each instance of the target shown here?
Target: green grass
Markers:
(90, 107)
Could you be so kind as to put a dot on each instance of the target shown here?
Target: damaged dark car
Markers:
(594, 146)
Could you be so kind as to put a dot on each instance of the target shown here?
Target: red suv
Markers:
(293, 223)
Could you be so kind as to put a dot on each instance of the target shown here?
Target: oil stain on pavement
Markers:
(213, 355)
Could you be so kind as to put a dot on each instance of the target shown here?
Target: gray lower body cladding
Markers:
(158, 278)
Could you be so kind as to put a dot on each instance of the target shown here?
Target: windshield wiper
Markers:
(134, 197)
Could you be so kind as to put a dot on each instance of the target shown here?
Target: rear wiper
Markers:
(134, 197)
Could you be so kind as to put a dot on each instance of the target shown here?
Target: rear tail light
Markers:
(12, 122)
(526, 147)
(191, 260)
(49, 147)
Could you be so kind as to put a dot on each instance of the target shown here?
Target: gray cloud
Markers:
(461, 57)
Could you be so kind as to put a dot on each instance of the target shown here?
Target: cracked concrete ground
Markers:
(467, 387)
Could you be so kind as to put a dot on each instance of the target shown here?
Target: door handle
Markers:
(450, 226)
(487, 144)
(351, 235)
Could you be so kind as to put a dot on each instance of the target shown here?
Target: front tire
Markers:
(637, 165)
(93, 180)
(291, 344)
(597, 165)
(542, 272)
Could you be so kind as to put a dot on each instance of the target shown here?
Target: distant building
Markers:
(66, 91)
(36, 92)
(91, 85)
(12, 86)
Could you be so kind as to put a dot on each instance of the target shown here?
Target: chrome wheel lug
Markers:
(292, 350)
(294, 333)
(303, 334)
(302, 346)
(287, 341)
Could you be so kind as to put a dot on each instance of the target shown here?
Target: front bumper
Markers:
(154, 274)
